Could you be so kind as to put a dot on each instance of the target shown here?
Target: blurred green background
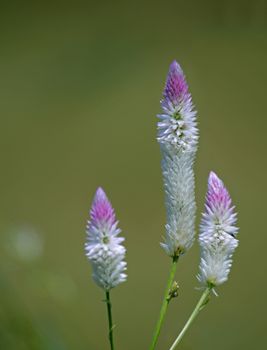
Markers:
(80, 88)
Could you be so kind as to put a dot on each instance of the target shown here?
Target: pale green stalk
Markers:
(165, 303)
(110, 324)
(201, 303)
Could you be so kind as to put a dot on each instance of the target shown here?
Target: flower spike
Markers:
(218, 232)
(177, 136)
(177, 124)
(103, 246)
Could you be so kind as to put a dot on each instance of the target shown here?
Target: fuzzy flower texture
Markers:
(103, 247)
(217, 234)
(177, 136)
(177, 124)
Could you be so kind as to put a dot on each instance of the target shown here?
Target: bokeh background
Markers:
(80, 88)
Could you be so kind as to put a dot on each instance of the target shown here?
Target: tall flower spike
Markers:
(218, 232)
(103, 246)
(178, 136)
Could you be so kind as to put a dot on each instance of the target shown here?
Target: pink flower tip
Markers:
(214, 180)
(176, 88)
(102, 211)
(174, 66)
(217, 195)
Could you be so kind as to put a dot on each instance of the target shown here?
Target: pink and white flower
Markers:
(218, 232)
(177, 126)
(103, 247)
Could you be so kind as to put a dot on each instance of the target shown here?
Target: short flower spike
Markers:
(103, 247)
(217, 234)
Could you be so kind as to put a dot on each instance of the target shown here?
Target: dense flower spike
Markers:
(178, 178)
(178, 120)
(103, 247)
(178, 135)
(217, 234)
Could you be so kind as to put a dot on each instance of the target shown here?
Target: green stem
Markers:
(165, 304)
(201, 303)
(110, 324)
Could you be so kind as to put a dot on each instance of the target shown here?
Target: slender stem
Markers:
(201, 303)
(110, 324)
(165, 304)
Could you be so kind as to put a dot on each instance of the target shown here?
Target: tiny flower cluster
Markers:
(103, 246)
